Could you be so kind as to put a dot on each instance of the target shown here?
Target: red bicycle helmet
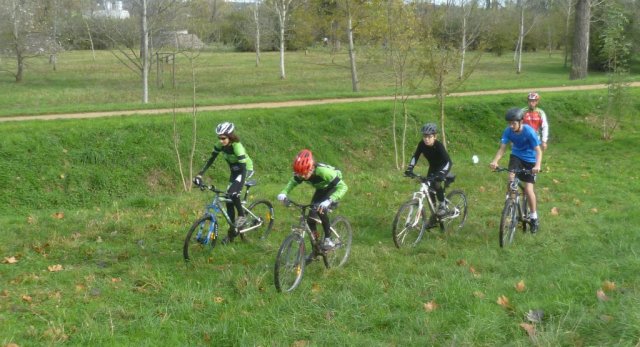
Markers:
(533, 96)
(303, 164)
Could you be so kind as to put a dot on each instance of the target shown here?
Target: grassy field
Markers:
(93, 221)
(81, 84)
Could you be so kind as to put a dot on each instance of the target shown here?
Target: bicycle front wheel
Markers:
(341, 235)
(200, 241)
(290, 263)
(456, 211)
(408, 224)
(260, 219)
(508, 224)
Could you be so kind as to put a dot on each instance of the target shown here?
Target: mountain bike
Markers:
(420, 213)
(293, 257)
(515, 211)
(203, 234)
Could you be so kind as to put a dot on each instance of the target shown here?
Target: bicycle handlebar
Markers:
(422, 178)
(212, 188)
(516, 171)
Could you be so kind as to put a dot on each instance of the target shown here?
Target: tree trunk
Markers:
(520, 40)
(145, 54)
(352, 52)
(463, 45)
(282, 17)
(580, 50)
(256, 19)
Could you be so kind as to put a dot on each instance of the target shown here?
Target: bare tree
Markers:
(256, 20)
(355, 85)
(580, 49)
(23, 33)
(131, 41)
(283, 9)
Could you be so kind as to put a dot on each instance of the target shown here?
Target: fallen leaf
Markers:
(61, 176)
(80, 287)
(474, 272)
(577, 202)
(31, 220)
(556, 181)
(218, 300)
(601, 295)
(478, 294)
(520, 287)
(11, 344)
(482, 189)
(4, 293)
(430, 306)
(329, 315)
(594, 210)
(504, 302)
(530, 329)
(461, 262)
(10, 260)
(58, 215)
(26, 298)
(608, 286)
(300, 343)
(315, 287)
(54, 268)
(99, 239)
(554, 211)
(116, 279)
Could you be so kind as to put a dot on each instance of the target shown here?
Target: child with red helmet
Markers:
(330, 188)
(536, 118)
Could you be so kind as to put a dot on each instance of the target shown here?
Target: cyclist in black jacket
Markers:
(438, 158)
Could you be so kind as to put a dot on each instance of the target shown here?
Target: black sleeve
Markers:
(213, 157)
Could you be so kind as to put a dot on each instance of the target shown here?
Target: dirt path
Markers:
(264, 105)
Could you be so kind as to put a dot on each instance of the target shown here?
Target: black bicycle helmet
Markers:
(429, 129)
(514, 114)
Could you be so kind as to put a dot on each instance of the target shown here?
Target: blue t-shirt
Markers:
(523, 143)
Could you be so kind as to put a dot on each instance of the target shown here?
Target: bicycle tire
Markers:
(407, 230)
(264, 210)
(525, 212)
(456, 211)
(508, 223)
(290, 263)
(195, 248)
(341, 235)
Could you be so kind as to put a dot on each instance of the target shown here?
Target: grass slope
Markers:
(101, 198)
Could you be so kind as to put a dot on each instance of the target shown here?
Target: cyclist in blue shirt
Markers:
(525, 154)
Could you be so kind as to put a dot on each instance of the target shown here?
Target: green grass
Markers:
(123, 281)
(81, 84)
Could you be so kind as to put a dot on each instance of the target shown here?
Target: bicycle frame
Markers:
(220, 197)
(303, 227)
(514, 191)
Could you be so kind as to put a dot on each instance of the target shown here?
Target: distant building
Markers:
(112, 9)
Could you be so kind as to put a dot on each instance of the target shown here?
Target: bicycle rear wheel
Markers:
(200, 241)
(263, 211)
(341, 235)
(456, 211)
(290, 263)
(408, 224)
(508, 223)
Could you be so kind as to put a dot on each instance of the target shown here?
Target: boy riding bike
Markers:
(439, 163)
(330, 188)
(525, 154)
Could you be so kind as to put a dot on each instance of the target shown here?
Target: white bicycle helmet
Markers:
(225, 128)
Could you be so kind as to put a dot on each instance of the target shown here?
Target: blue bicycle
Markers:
(203, 234)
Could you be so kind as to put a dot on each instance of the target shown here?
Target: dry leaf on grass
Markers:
(58, 215)
(430, 306)
(315, 287)
(608, 286)
(54, 268)
(601, 295)
(474, 272)
(520, 287)
(461, 262)
(530, 329)
(10, 260)
(27, 298)
(504, 302)
(554, 211)
(218, 300)
(594, 210)
(478, 294)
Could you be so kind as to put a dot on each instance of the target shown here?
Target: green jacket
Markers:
(324, 177)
